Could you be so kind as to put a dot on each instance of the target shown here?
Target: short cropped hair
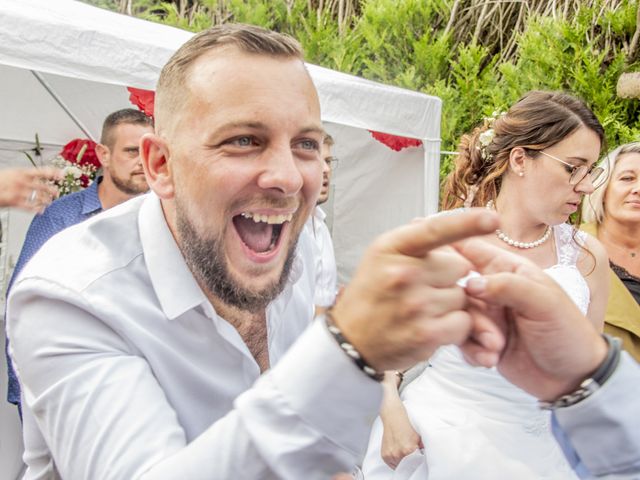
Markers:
(170, 91)
(119, 117)
(593, 204)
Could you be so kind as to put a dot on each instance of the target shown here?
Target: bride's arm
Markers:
(399, 438)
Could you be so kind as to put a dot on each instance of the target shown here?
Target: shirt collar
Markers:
(319, 214)
(173, 282)
(90, 200)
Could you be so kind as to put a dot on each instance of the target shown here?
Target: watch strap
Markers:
(590, 385)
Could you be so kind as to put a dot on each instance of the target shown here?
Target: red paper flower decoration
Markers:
(143, 99)
(71, 150)
(395, 142)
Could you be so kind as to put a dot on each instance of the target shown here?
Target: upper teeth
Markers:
(271, 219)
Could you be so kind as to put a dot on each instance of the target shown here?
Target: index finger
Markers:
(421, 236)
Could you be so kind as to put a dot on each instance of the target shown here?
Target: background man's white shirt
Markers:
(325, 264)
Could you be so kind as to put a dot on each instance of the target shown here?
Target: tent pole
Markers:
(431, 175)
(27, 143)
(59, 101)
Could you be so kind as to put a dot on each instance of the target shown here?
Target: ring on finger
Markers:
(33, 196)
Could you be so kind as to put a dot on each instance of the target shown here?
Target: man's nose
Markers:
(326, 167)
(280, 170)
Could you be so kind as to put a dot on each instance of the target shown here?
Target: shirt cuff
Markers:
(324, 298)
(325, 387)
(609, 413)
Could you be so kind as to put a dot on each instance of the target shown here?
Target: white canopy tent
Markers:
(65, 65)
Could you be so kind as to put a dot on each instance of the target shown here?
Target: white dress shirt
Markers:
(325, 265)
(127, 372)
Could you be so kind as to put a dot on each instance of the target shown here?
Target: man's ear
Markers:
(154, 152)
(102, 152)
(517, 160)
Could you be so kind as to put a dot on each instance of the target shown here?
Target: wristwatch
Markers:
(590, 385)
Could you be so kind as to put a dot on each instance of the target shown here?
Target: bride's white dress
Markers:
(473, 423)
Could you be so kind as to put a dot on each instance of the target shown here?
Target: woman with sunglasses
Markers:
(533, 164)
(612, 213)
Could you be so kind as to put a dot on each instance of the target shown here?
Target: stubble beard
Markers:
(322, 199)
(205, 258)
(129, 186)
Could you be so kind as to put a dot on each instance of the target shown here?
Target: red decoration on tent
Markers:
(71, 152)
(143, 99)
(395, 142)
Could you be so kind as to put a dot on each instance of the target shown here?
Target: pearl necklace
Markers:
(523, 245)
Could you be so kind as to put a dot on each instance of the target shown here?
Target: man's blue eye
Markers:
(309, 144)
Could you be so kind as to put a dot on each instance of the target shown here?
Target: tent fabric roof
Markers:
(72, 39)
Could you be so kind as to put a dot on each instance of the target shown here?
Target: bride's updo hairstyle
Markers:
(537, 121)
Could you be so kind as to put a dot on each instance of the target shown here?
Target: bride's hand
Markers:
(550, 346)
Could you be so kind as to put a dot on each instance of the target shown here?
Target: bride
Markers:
(532, 164)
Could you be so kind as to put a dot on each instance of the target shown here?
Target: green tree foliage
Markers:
(479, 56)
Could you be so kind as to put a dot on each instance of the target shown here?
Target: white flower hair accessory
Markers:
(494, 116)
(486, 137)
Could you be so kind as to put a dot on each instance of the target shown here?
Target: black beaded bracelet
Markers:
(350, 350)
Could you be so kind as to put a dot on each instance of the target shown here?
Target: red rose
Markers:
(84, 181)
(72, 149)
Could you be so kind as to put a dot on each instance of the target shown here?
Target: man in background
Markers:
(326, 272)
(122, 178)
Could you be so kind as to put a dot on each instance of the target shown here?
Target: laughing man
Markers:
(150, 340)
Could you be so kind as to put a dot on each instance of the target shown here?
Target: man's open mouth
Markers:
(260, 233)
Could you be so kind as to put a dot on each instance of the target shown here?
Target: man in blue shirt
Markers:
(122, 178)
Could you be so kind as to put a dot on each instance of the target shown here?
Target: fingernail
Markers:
(462, 282)
(476, 285)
